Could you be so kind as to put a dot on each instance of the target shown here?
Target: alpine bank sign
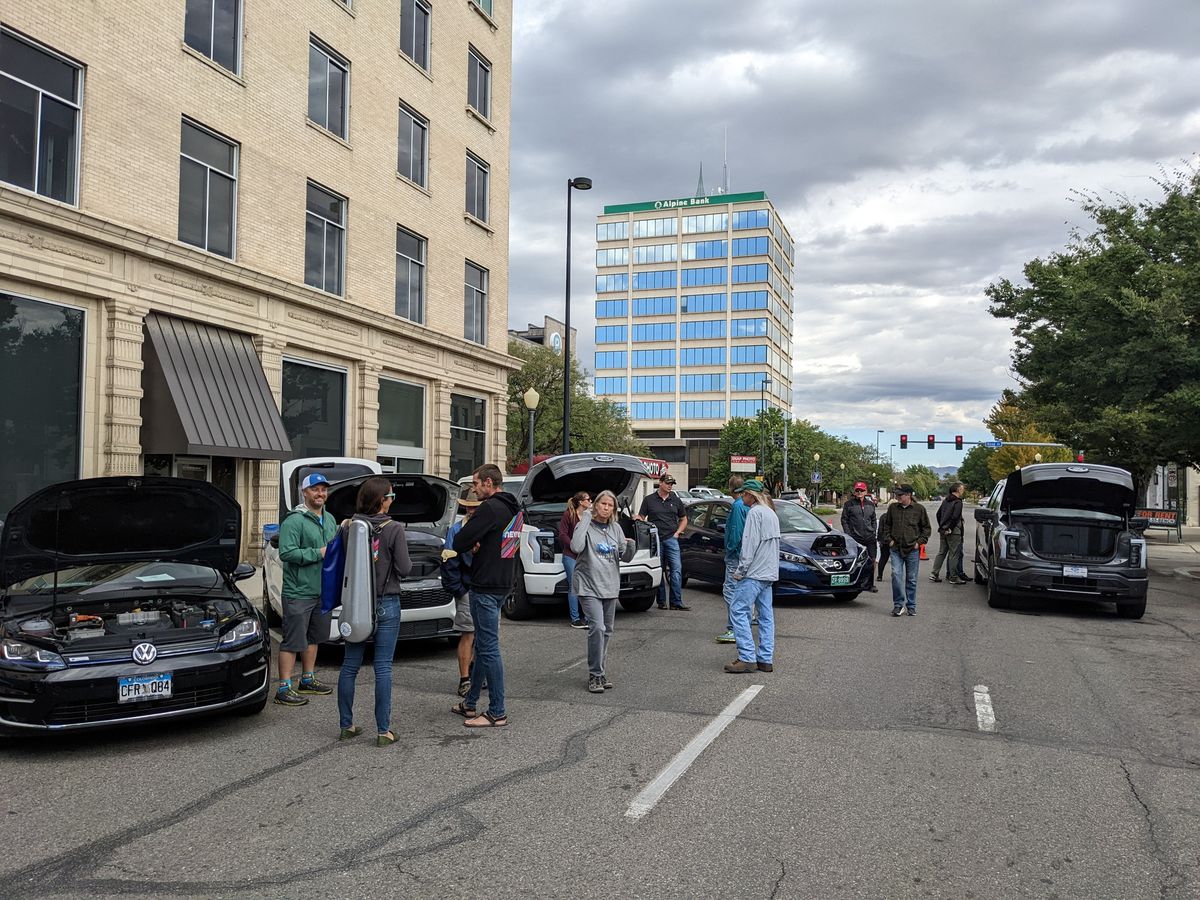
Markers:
(686, 202)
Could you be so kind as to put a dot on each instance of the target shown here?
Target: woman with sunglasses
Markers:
(576, 506)
(389, 556)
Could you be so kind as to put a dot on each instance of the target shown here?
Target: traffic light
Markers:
(904, 442)
(930, 440)
(958, 442)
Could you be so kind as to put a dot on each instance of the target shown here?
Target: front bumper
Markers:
(86, 696)
(426, 611)
(1102, 582)
(801, 581)
(550, 587)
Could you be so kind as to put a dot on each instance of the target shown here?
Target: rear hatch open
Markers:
(1070, 512)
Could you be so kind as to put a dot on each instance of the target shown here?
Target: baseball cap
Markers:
(860, 485)
(904, 489)
(666, 479)
(313, 480)
(752, 484)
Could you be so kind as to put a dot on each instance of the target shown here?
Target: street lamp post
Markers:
(842, 479)
(531, 398)
(817, 489)
(762, 411)
(878, 432)
(579, 184)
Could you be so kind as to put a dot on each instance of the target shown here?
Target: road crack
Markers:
(778, 881)
(1175, 877)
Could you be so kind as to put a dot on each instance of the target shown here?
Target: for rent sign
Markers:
(1159, 518)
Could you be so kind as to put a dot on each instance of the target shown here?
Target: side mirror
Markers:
(243, 571)
(1139, 524)
(985, 515)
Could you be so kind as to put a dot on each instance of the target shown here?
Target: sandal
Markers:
(464, 684)
(384, 739)
(487, 720)
(352, 732)
(461, 709)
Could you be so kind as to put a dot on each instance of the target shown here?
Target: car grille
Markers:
(424, 598)
(426, 628)
(100, 711)
(637, 581)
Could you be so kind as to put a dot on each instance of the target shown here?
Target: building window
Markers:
(654, 227)
(699, 384)
(612, 231)
(751, 218)
(756, 272)
(703, 303)
(39, 119)
(213, 28)
(654, 306)
(703, 356)
(747, 381)
(705, 329)
(410, 275)
(748, 328)
(654, 384)
(479, 83)
(655, 253)
(610, 359)
(401, 434)
(611, 309)
(614, 256)
(701, 224)
(702, 277)
(475, 291)
(750, 353)
(611, 385)
(328, 88)
(40, 423)
(610, 334)
(653, 409)
(414, 31)
(324, 240)
(414, 141)
(663, 331)
(654, 281)
(207, 189)
(313, 409)
(749, 300)
(654, 359)
(752, 246)
(477, 187)
(485, 5)
(745, 409)
(706, 250)
(468, 435)
(702, 409)
(607, 284)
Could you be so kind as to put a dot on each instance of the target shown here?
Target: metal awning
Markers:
(205, 393)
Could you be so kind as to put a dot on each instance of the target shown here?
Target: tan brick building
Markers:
(239, 231)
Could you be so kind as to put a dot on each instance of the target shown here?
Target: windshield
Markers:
(796, 519)
(100, 579)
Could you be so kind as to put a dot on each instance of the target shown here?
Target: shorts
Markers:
(462, 614)
(304, 624)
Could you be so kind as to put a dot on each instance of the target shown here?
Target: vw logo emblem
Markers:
(144, 654)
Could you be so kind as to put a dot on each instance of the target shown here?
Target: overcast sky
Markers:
(917, 151)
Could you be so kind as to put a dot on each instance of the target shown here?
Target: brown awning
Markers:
(205, 393)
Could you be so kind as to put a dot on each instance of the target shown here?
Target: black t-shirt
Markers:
(663, 514)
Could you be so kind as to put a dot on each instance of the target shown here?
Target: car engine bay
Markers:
(130, 619)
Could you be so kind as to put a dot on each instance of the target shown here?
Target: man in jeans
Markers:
(950, 530)
(904, 528)
(665, 511)
(735, 523)
(858, 521)
(303, 536)
(493, 537)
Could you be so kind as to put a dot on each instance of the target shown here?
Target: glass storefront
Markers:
(41, 369)
(401, 426)
(468, 433)
(314, 409)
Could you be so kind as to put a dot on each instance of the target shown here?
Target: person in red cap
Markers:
(860, 522)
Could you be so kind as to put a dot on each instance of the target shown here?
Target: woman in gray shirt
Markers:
(600, 547)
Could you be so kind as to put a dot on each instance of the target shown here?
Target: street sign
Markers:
(993, 445)
(743, 464)
(816, 477)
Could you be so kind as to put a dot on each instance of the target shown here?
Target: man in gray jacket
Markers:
(756, 573)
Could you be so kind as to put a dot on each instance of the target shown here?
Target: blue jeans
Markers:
(387, 629)
(904, 577)
(672, 568)
(728, 588)
(749, 595)
(488, 668)
(572, 599)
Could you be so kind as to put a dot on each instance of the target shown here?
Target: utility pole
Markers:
(787, 426)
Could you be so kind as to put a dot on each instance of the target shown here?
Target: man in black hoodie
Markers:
(950, 529)
(860, 522)
(493, 536)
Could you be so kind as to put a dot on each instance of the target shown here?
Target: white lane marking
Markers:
(983, 709)
(574, 665)
(653, 792)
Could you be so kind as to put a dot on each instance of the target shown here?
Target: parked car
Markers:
(119, 604)
(425, 504)
(813, 558)
(543, 494)
(707, 493)
(1063, 530)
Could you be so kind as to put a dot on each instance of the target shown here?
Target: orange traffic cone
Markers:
(924, 555)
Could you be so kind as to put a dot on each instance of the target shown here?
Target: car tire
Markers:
(637, 604)
(253, 709)
(995, 599)
(274, 620)
(516, 604)
(1134, 610)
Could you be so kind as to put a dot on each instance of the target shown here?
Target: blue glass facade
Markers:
(654, 227)
(654, 306)
(750, 353)
(746, 381)
(702, 409)
(745, 409)
(653, 359)
(663, 331)
(703, 277)
(749, 300)
(748, 328)
(699, 384)
(606, 284)
(653, 409)
(705, 329)
(614, 385)
(654, 384)
(610, 334)
(753, 246)
(611, 309)
(751, 218)
(655, 253)
(702, 356)
(613, 256)
(610, 359)
(702, 303)
(612, 231)
(756, 272)
(701, 224)
(706, 250)
(654, 281)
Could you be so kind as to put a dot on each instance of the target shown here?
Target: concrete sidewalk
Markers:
(1170, 556)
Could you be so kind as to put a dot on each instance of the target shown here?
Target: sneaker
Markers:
(682, 606)
(289, 698)
(935, 578)
(579, 623)
(912, 612)
(595, 684)
(608, 685)
(766, 667)
(727, 637)
(957, 580)
(873, 589)
(313, 686)
(897, 610)
(740, 667)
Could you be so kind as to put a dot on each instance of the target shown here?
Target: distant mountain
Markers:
(945, 471)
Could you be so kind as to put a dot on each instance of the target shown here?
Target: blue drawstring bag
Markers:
(333, 567)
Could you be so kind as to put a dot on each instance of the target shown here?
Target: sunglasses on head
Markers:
(389, 496)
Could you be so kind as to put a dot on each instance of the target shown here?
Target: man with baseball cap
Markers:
(859, 521)
(904, 528)
(664, 510)
(303, 535)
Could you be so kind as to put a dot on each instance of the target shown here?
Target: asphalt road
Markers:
(859, 769)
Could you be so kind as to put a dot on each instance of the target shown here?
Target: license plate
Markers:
(839, 580)
(1074, 571)
(136, 688)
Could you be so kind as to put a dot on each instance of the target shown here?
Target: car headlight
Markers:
(1010, 544)
(20, 655)
(792, 557)
(242, 633)
(545, 547)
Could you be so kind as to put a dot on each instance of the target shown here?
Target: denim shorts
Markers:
(304, 624)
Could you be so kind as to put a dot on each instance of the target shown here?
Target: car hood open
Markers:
(561, 477)
(1070, 486)
(423, 502)
(124, 519)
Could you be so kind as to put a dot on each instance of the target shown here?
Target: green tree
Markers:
(973, 471)
(923, 479)
(596, 424)
(1108, 347)
(1012, 419)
